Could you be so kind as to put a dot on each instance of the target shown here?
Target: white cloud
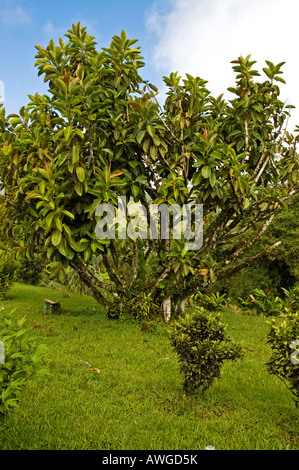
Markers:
(12, 14)
(202, 37)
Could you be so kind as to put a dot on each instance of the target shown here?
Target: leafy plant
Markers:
(30, 271)
(21, 359)
(284, 341)
(200, 341)
(292, 298)
(263, 302)
(8, 274)
(143, 307)
(213, 301)
(100, 134)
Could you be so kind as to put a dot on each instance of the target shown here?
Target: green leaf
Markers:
(140, 136)
(246, 203)
(153, 152)
(43, 172)
(80, 173)
(135, 190)
(56, 237)
(153, 87)
(49, 219)
(75, 154)
(79, 188)
(295, 176)
(263, 206)
(80, 133)
(62, 157)
(69, 214)
(150, 130)
(40, 153)
(61, 84)
(58, 224)
(206, 171)
(146, 145)
(212, 179)
(67, 132)
(142, 179)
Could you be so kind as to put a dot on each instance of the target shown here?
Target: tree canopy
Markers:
(100, 133)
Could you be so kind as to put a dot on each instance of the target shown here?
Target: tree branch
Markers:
(91, 282)
(161, 278)
(249, 244)
(247, 262)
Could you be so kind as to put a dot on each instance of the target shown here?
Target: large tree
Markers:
(100, 134)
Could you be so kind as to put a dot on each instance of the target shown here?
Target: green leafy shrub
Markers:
(8, 274)
(200, 341)
(213, 302)
(263, 302)
(31, 270)
(20, 359)
(284, 341)
(143, 307)
(291, 299)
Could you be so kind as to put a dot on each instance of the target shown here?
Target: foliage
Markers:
(22, 360)
(200, 341)
(285, 227)
(100, 134)
(292, 298)
(265, 303)
(213, 301)
(140, 387)
(284, 341)
(30, 271)
(142, 307)
(8, 274)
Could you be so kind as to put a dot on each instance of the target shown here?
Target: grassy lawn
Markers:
(136, 401)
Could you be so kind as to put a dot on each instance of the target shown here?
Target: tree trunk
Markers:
(182, 306)
(166, 305)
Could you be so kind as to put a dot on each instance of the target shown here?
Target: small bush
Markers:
(213, 302)
(20, 360)
(284, 341)
(291, 299)
(8, 274)
(202, 346)
(265, 303)
(30, 271)
(143, 307)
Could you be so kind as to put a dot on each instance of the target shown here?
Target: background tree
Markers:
(270, 273)
(100, 133)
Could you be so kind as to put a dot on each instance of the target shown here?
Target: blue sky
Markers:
(25, 23)
(199, 37)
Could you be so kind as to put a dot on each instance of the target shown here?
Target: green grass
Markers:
(136, 402)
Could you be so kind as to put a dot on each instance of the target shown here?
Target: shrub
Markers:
(284, 341)
(292, 298)
(143, 307)
(31, 270)
(200, 341)
(263, 302)
(8, 274)
(211, 301)
(20, 360)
